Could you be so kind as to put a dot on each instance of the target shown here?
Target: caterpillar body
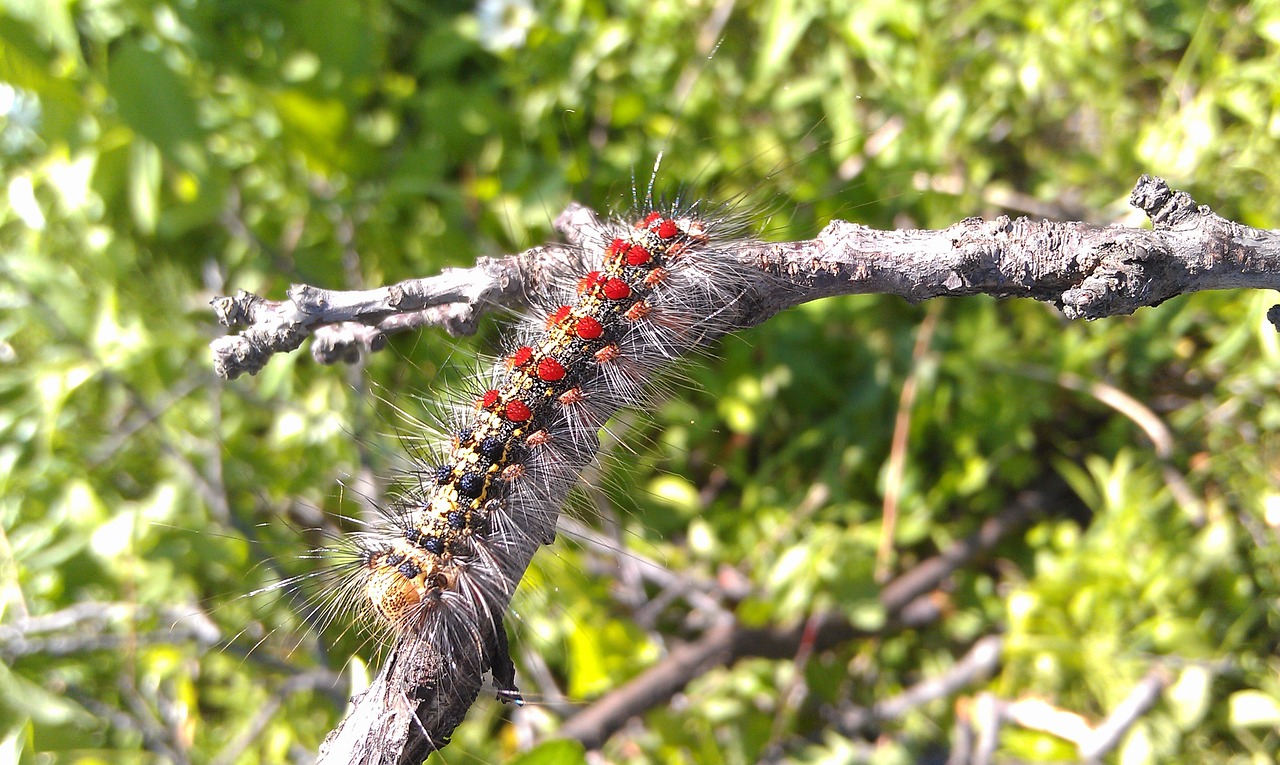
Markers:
(441, 568)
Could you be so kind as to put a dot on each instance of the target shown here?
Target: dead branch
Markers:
(100, 626)
(980, 661)
(1110, 732)
(907, 601)
(1093, 742)
(1089, 272)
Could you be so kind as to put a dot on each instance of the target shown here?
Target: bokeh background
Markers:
(157, 154)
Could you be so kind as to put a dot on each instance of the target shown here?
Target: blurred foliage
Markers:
(155, 155)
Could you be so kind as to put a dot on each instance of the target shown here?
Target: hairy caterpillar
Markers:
(438, 565)
(560, 382)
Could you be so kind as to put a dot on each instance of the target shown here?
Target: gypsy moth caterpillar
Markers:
(464, 538)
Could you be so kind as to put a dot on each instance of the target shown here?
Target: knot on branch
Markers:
(272, 330)
(1118, 282)
(1165, 207)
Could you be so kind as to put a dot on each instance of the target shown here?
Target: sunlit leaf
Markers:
(1254, 709)
(1190, 696)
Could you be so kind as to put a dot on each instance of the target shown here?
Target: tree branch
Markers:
(99, 626)
(345, 324)
(907, 602)
(1093, 742)
(982, 659)
(1087, 271)
(1109, 733)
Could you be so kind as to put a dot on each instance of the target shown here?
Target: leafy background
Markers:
(156, 154)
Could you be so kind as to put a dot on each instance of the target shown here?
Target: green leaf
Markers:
(153, 100)
(50, 18)
(1138, 749)
(13, 737)
(315, 125)
(24, 63)
(26, 699)
(558, 752)
(676, 492)
(588, 662)
(144, 185)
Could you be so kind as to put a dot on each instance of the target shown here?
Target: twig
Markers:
(980, 661)
(1148, 421)
(857, 722)
(907, 602)
(359, 320)
(156, 736)
(898, 449)
(84, 627)
(1140, 700)
(318, 679)
(931, 572)
(988, 716)
(793, 693)
(962, 739)
(699, 594)
(1092, 742)
(1037, 714)
(152, 740)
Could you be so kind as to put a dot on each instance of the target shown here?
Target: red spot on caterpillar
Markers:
(637, 311)
(616, 289)
(590, 281)
(571, 396)
(558, 316)
(520, 357)
(538, 438)
(550, 370)
(512, 472)
(589, 328)
(655, 277)
(489, 398)
(668, 229)
(616, 247)
(638, 256)
(649, 219)
(607, 354)
(518, 411)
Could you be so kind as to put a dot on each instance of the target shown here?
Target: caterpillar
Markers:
(439, 564)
